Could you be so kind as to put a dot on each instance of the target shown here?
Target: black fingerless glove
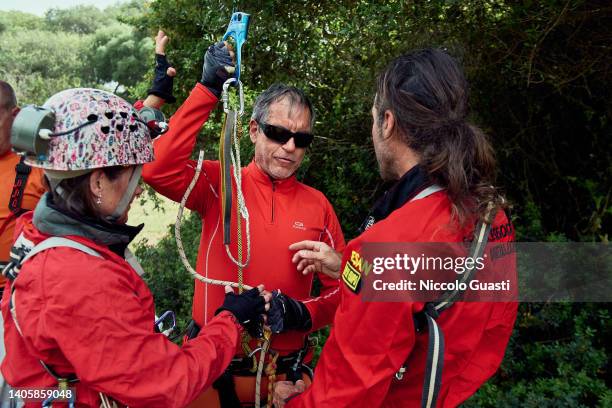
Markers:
(247, 308)
(288, 314)
(214, 75)
(162, 82)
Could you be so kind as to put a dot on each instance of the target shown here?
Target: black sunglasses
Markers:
(282, 135)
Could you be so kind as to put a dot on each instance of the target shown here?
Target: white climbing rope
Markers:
(179, 240)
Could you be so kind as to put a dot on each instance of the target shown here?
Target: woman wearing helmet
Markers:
(79, 312)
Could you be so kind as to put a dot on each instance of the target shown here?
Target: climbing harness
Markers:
(431, 311)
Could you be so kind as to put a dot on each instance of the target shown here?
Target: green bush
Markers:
(169, 281)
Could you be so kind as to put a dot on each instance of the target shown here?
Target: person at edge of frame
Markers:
(21, 187)
(282, 211)
(444, 169)
(77, 311)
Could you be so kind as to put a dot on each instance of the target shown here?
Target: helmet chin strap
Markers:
(55, 177)
(127, 196)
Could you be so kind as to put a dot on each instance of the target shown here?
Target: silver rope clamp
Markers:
(225, 95)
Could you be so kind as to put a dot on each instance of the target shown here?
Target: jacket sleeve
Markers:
(323, 307)
(172, 170)
(115, 350)
(368, 344)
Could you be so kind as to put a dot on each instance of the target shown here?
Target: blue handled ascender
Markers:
(238, 29)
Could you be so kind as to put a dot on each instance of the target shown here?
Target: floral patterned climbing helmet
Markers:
(103, 130)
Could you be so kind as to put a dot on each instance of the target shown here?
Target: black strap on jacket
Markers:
(427, 318)
(22, 172)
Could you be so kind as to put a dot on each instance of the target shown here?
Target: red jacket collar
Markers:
(25, 226)
(253, 171)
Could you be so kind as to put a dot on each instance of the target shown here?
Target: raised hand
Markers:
(163, 80)
(161, 40)
(218, 66)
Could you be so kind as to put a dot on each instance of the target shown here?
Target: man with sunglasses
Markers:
(282, 211)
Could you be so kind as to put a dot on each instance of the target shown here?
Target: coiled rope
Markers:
(179, 240)
(241, 212)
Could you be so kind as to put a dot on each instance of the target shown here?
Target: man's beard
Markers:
(384, 160)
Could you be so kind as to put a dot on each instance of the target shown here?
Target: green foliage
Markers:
(79, 19)
(118, 54)
(73, 47)
(17, 20)
(557, 358)
(39, 65)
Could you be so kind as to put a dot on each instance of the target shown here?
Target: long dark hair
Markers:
(428, 94)
(76, 197)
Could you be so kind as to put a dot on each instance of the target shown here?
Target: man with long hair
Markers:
(444, 169)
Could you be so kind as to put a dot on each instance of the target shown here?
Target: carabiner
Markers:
(159, 323)
(238, 29)
(225, 95)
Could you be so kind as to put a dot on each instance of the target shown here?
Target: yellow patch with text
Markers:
(351, 277)
(356, 260)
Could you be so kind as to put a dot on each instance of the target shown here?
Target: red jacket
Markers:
(370, 341)
(94, 318)
(281, 212)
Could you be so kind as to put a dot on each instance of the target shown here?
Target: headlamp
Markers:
(30, 127)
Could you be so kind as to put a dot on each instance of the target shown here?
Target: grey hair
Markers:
(277, 92)
(8, 100)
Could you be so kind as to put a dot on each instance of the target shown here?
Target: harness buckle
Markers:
(400, 373)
